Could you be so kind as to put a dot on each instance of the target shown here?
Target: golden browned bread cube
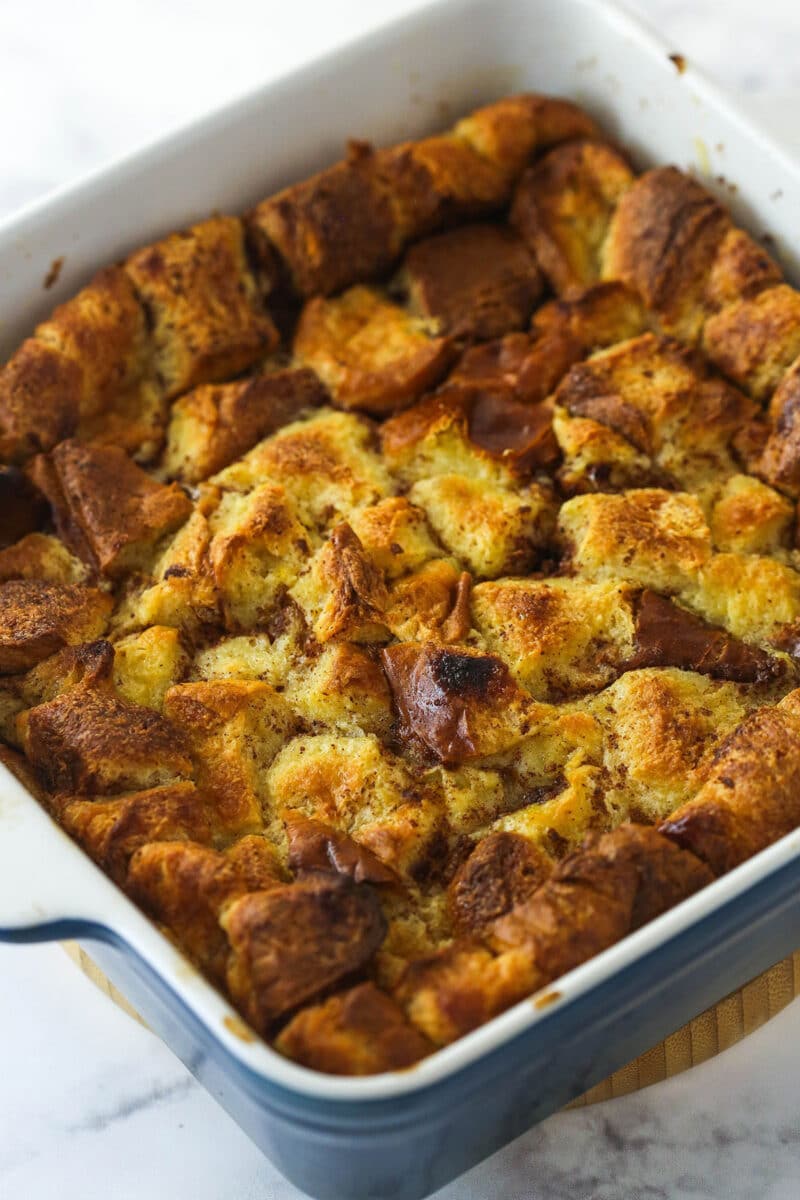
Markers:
(342, 686)
(493, 530)
(559, 636)
(85, 741)
(215, 424)
(662, 400)
(454, 990)
(233, 729)
(396, 536)
(751, 796)
(39, 400)
(659, 728)
(510, 131)
(471, 429)
(326, 464)
(651, 537)
(343, 593)
(104, 332)
(107, 508)
(753, 341)
(111, 831)
(38, 618)
(562, 209)
(354, 784)
(438, 180)
(358, 1032)
(186, 887)
(741, 269)
(750, 518)
(207, 319)
(478, 281)
(90, 664)
(370, 353)
(91, 354)
(332, 229)
(40, 556)
(258, 548)
(751, 596)
(181, 591)
(663, 241)
(291, 943)
(147, 664)
(433, 602)
(596, 459)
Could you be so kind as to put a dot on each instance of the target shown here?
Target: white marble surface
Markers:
(92, 1105)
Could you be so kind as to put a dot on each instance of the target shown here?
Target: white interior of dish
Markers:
(409, 78)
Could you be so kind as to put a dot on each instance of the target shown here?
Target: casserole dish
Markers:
(345, 1138)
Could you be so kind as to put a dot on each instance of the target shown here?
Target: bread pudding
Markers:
(400, 583)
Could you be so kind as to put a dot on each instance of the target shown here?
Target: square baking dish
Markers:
(401, 1136)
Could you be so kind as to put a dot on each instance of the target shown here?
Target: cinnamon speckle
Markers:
(51, 278)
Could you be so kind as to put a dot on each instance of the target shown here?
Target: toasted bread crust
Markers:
(350, 222)
(503, 870)
(105, 507)
(751, 796)
(359, 1032)
(208, 322)
(87, 741)
(112, 831)
(368, 352)
(292, 943)
(611, 885)
(562, 209)
(478, 281)
(213, 425)
(39, 618)
(663, 241)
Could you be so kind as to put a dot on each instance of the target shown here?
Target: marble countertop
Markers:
(92, 1104)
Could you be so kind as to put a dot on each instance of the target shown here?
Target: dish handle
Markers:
(48, 889)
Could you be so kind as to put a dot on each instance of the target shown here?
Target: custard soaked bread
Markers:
(400, 584)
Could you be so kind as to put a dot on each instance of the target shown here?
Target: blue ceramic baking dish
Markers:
(401, 1136)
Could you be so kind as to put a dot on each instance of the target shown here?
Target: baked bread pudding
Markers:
(400, 583)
